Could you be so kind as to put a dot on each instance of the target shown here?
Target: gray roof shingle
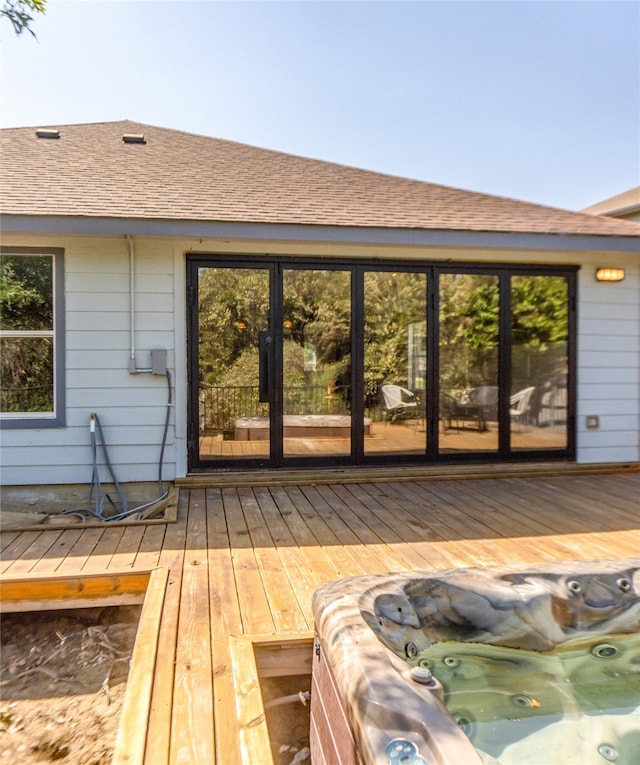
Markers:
(91, 172)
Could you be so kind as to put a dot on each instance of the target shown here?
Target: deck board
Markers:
(49, 562)
(254, 604)
(245, 560)
(171, 557)
(192, 722)
(36, 550)
(225, 621)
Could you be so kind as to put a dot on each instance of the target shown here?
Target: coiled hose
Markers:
(98, 498)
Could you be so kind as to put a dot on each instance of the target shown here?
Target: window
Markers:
(31, 337)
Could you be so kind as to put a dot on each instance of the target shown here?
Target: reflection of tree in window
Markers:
(469, 330)
(317, 342)
(26, 326)
(233, 308)
(395, 307)
(539, 353)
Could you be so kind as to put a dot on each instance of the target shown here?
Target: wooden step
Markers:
(397, 473)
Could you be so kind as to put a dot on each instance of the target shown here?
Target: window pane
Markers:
(469, 337)
(539, 362)
(395, 362)
(27, 374)
(26, 290)
(233, 311)
(316, 327)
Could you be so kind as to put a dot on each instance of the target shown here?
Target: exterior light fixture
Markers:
(609, 274)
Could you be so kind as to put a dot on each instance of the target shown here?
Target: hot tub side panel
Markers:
(331, 740)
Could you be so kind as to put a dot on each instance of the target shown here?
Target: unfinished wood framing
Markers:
(54, 592)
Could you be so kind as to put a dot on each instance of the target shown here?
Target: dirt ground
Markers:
(62, 683)
(286, 701)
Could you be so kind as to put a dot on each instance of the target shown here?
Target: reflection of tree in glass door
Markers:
(316, 327)
(395, 357)
(233, 309)
(468, 347)
(539, 362)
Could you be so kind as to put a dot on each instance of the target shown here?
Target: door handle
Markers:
(265, 345)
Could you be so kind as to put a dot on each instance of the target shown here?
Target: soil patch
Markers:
(286, 702)
(62, 681)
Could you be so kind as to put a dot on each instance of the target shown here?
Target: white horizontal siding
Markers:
(626, 332)
(121, 457)
(132, 408)
(618, 374)
(621, 313)
(90, 340)
(97, 321)
(118, 283)
(628, 408)
(613, 355)
(617, 454)
(609, 363)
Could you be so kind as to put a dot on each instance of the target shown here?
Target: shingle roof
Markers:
(89, 171)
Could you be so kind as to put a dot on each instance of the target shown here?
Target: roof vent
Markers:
(47, 133)
(133, 138)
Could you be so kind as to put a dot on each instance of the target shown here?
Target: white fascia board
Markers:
(29, 224)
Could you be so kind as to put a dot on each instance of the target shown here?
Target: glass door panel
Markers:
(539, 362)
(316, 351)
(233, 367)
(395, 362)
(468, 352)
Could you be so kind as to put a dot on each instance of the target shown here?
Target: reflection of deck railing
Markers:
(220, 407)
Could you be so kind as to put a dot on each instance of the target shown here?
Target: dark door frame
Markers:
(432, 269)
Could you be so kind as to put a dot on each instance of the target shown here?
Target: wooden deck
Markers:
(408, 437)
(245, 561)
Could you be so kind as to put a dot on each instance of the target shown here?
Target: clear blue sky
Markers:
(534, 100)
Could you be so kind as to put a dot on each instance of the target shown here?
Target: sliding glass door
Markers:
(295, 362)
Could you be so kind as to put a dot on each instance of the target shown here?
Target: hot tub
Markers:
(536, 665)
(298, 426)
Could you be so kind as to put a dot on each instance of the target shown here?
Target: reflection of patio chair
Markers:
(548, 405)
(519, 405)
(399, 403)
(448, 411)
(478, 405)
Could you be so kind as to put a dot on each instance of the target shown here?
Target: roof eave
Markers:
(617, 212)
(104, 226)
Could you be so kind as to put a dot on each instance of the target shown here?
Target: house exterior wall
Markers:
(132, 407)
(609, 363)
